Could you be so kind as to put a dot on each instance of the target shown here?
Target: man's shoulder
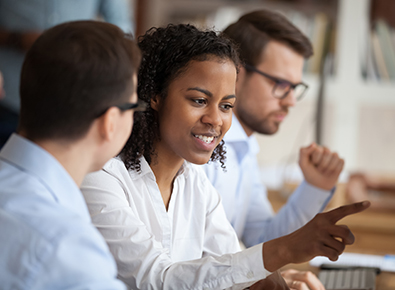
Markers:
(32, 207)
(30, 210)
(42, 237)
(20, 189)
(22, 247)
(13, 177)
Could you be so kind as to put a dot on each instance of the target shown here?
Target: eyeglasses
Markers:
(139, 106)
(281, 87)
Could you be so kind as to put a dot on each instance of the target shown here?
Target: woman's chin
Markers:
(199, 160)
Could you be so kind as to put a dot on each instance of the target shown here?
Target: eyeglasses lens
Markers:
(299, 91)
(281, 89)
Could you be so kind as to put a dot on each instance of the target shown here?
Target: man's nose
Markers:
(290, 99)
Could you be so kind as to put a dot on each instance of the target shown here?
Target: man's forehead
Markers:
(282, 61)
(277, 50)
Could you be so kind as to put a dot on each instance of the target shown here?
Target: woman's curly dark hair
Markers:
(166, 53)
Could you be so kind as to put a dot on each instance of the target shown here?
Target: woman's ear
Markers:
(155, 103)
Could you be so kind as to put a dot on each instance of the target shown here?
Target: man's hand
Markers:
(320, 166)
(319, 237)
(305, 280)
(291, 279)
(271, 282)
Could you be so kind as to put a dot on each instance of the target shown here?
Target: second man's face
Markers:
(257, 109)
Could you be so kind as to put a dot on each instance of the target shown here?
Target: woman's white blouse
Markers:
(190, 246)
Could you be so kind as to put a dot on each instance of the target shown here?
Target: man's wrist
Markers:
(319, 186)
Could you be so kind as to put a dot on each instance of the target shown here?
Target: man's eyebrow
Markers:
(208, 93)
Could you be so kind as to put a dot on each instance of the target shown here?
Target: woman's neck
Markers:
(165, 170)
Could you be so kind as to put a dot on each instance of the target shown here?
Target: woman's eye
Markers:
(227, 107)
(199, 101)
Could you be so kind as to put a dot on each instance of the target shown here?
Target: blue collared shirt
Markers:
(245, 197)
(47, 239)
(38, 15)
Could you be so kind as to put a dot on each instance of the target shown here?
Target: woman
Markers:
(162, 219)
(157, 211)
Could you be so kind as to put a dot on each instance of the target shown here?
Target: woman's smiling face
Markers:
(197, 111)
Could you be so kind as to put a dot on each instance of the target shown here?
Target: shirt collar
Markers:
(236, 134)
(37, 162)
(146, 169)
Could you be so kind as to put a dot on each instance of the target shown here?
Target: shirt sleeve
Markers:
(144, 263)
(118, 12)
(263, 225)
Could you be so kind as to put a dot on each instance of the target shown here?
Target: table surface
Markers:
(374, 233)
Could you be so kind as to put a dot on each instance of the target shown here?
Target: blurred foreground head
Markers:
(71, 74)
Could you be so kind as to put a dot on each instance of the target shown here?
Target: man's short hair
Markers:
(254, 30)
(71, 74)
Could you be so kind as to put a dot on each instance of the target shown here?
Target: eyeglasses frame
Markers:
(139, 106)
(276, 80)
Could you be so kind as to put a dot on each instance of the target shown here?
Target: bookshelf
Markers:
(356, 100)
(359, 115)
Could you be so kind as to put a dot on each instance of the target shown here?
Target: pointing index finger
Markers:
(345, 210)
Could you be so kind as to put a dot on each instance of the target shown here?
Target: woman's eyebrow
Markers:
(229, 97)
(208, 93)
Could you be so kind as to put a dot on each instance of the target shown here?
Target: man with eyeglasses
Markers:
(269, 84)
(78, 95)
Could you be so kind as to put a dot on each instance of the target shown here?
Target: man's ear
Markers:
(155, 103)
(107, 124)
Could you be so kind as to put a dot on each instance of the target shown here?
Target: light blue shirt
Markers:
(245, 198)
(47, 239)
(38, 15)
